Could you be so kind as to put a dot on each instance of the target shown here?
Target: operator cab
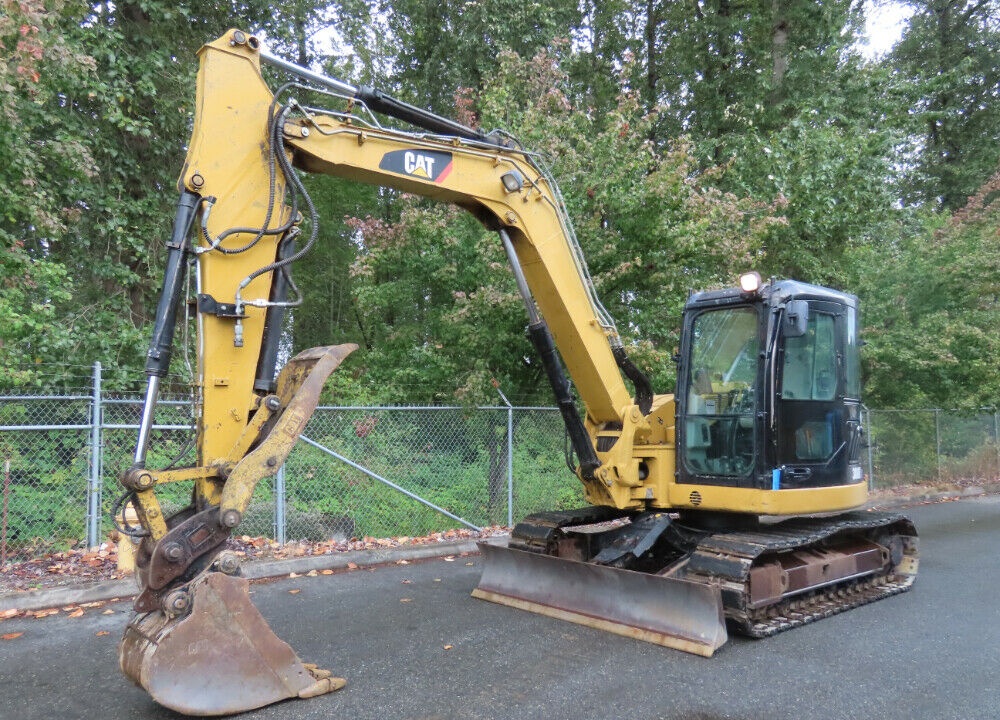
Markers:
(768, 392)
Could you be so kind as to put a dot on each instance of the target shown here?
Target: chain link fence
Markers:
(390, 471)
(47, 460)
(374, 471)
(356, 471)
(933, 447)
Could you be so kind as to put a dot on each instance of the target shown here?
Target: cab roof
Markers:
(774, 292)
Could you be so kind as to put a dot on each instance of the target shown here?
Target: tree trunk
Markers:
(652, 65)
(779, 51)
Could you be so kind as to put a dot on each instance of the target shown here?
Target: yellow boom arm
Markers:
(231, 166)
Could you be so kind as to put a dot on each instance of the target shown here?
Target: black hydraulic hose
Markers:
(273, 320)
(541, 338)
(275, 118)
(643, 388)
(161, 344)
(295, 188)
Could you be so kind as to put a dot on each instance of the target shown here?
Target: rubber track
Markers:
(537, 532)
(725, 559)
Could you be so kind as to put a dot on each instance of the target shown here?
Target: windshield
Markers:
(720, 403)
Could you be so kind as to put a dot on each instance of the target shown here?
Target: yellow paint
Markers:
(228, 160)
(126, 545)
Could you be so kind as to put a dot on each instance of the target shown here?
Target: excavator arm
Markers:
(239, 191)
(242, 219)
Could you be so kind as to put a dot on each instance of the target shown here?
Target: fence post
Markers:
(94, 484)
(996, 438)
(510, 455)
(937, 439)
(279, 506)
(6, 507)
(510, 466)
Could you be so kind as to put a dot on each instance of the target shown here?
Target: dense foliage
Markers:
(691, 140)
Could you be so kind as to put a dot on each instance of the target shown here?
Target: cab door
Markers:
(818, 406)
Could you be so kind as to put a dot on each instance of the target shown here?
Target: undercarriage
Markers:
(768, 576)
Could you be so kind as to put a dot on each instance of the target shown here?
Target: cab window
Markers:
(810, 366)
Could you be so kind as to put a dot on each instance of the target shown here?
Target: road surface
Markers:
(414, 645)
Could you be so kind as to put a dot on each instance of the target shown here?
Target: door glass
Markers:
(722, 371)
(810, 368)
(809, 428)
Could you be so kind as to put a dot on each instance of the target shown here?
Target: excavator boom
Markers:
(242, 219)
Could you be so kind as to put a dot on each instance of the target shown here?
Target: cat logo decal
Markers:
(424, 164)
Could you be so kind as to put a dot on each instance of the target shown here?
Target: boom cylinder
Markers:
(161, 344)
(379, 101)
(541, 338)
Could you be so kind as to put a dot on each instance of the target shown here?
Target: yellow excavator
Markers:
(732, 503)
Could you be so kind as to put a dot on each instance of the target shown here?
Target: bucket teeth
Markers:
(218, 659)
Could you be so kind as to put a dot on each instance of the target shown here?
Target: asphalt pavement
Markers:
(413, 645)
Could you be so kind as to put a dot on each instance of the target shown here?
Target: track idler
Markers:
(209, 651)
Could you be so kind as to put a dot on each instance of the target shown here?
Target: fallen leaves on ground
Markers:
(84, 565)
(62, 568)
(11, 636)
(72, 611)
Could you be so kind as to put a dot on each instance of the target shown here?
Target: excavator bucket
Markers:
(675, 613)
(218, 659)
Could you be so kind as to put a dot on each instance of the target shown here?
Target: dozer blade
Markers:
(675, 613)
(219, 659)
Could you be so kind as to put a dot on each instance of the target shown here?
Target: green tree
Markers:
(949, 63)
(932, 307)
(330, 313)
(438, 48)
(771, 92)
(98, 101)
(44, 164)
(795, 115)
